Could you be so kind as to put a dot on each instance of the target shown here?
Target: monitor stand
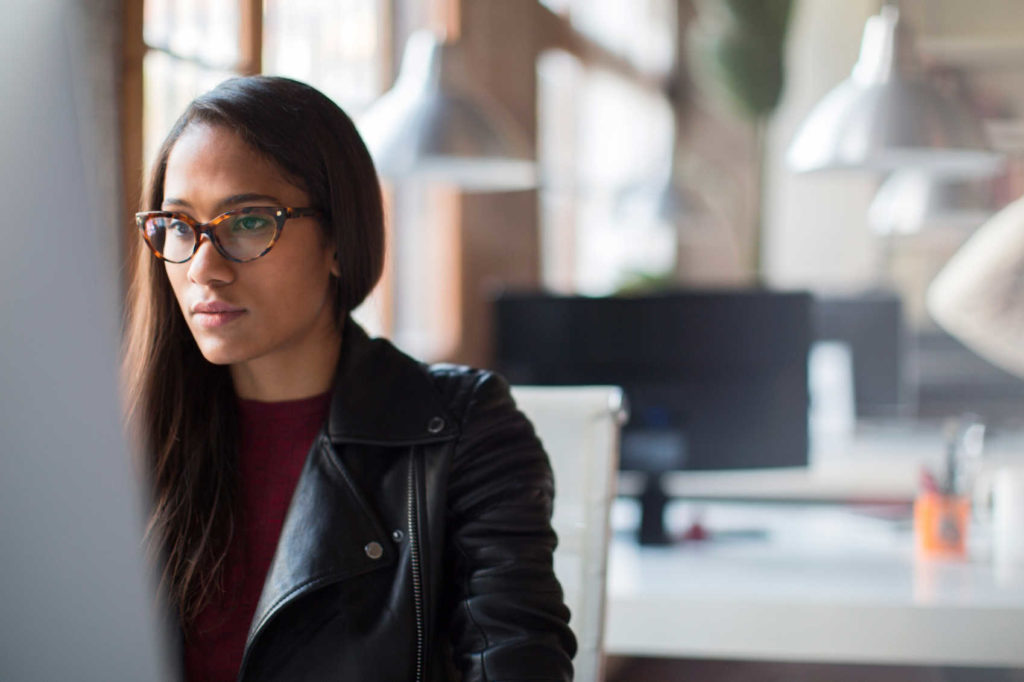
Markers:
(653, 532)
(652, 513)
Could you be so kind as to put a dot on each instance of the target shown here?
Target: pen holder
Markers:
(940, 525)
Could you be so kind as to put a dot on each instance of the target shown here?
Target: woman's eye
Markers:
(178, 228)
(250, 223)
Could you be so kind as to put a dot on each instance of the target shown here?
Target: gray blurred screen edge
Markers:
(78, 599)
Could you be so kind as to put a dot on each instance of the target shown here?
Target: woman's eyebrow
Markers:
(246, 198)
(176, 202)
(233, 200)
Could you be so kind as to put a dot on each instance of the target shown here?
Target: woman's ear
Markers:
(335, 268)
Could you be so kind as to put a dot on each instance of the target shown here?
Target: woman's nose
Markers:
(208, 266)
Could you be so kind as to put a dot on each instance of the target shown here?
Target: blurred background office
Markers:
(652, 139)
(709, 159)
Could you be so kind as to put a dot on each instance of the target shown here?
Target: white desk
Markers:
(825, 586)
(880, 463)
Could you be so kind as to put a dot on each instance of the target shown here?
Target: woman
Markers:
(324, 507)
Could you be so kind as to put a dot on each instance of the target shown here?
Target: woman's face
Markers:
(271, 312)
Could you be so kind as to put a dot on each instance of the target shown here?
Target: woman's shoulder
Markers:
(464, 389)
(497, 445)
(458, 397)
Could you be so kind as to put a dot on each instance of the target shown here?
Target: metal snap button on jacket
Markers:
(374, 550)
(436, 425)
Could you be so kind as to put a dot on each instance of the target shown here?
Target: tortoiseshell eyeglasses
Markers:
(242, 235)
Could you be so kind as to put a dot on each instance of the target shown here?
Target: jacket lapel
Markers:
(324, 538)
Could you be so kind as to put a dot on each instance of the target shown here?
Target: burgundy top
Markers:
(274, 441)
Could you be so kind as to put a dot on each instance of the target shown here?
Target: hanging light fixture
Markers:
(886, 116)
(910, 201)
(434, 124)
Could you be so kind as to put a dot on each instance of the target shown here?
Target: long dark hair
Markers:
(180, 407)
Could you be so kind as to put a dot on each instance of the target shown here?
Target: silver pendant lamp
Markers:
(887, 116)
(910, 201)
(434, 124)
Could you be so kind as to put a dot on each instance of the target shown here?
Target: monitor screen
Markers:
(951, 379)
(872, 326)
(714, 379)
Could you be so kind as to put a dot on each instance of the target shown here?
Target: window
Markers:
(337, 45)
(191, 45)
(599, 217)
(177, 49)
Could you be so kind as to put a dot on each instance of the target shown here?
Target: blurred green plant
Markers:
(636, 283)
(742, 45)
(746, 53)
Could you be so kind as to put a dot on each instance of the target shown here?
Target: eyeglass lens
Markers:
(242, 236)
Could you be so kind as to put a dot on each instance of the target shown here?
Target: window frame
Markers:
(134, 51)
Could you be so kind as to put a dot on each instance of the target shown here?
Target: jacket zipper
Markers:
(414, 555)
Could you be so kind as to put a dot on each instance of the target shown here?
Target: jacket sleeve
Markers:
(509, 620)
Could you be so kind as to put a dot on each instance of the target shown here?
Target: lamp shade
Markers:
(910, 201)
(432, 124)
(887, 116)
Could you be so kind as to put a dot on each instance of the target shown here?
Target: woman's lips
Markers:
(211, 320)
(211, 314)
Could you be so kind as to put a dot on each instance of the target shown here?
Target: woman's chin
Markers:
(217, 354)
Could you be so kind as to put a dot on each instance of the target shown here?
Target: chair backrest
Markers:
(579, 427)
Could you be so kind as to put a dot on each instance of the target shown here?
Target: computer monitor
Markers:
(714, 379)
(924, 374)
(951, 379)
(872, 326)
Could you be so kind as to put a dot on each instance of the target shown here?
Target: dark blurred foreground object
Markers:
(76, 600)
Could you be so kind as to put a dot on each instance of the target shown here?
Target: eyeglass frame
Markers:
(281, 216)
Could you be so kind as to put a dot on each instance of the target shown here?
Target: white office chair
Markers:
(579, 427)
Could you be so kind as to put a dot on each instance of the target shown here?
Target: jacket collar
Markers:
(382, 396)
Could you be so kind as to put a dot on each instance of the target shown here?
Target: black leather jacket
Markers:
(418, 544)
